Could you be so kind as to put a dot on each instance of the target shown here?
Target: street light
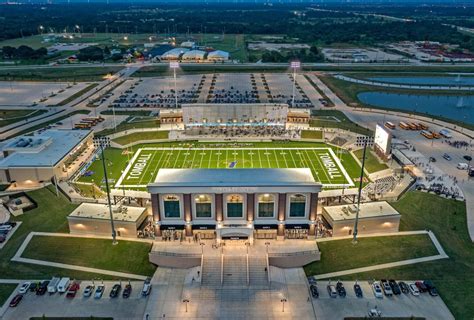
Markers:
(186, 301)
(356, 223)
(175, 65)
(202, 247)
(267, 244)
(294, 65)
(283, 304)
(114, 234)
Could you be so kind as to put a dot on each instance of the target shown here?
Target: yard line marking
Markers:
(260, 158)
(268, 160)
(192, 161)
(293, 159)
(176, 160)
(158, 162)
(243, 158)
(218, 158)
(186, 156)
(145, 172)
(210, 157)
(202, 157)
(127, 168)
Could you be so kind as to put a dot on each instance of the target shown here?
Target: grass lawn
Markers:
(57, 73)
(142, 113)
(11, 116)
(341, 255)
(372, 163)
(132, 122)
(311, 134)
(453, 276)
(161, 70)
(95, 253)
(6, 289)
(78, 94)
(116, 162)
(336, 119)
(49, 216)
(137, 136)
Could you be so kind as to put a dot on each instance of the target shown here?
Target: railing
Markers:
(222, 265)
(173, 254)
(248, 275)
(268, 268)
(291, 254)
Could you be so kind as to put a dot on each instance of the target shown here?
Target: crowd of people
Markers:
(245, 131)
(459, 144)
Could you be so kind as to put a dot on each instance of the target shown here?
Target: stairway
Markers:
(235, 271)
(258, 275)
(211, 271)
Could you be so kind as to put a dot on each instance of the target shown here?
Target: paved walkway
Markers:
(441, 255)
(17, 257)
(403, 86)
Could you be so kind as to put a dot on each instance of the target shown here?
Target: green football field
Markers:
(323, 162)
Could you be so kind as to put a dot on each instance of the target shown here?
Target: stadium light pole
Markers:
(175, 65)
(114, 234)
(356, 223)
(294, 65)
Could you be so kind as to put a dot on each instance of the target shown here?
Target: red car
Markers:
(421, 286)
(72, 290)
(16, 300)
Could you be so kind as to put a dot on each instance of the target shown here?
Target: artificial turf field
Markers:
(323, 162)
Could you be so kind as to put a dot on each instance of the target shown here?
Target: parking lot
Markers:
(403, 305)
(57, 305)
(27, 93)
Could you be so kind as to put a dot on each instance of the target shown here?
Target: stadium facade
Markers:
(235, 204)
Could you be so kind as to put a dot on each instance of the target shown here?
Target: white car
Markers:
(146, 287)
(88, 291)
(24, 287)
(414, 289)
(99, 291)
(377, 290)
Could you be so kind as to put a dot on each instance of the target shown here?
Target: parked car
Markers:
(358, 290)
(341, 291)
(99, 291)
(16, 300)
(404, 287)
(9, 223)
(146, 287)
(332, 291)
(377, 290)
(3, 238)
(431, 288)
(53, 285)
(127, 291)
(33, 286)
(314, 291)
(42, 288)
(414, 289)
(72, 290)
(5, 227)
(395, 287)
(432, 159)
(115, 290)
(421, 286)
(447, 156)
(63, 284)
(468, 158)
(24, 287)
(88, 291)
(387, 290)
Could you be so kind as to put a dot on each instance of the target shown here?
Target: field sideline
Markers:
(323, 162)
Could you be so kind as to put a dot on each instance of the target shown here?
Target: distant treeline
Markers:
(338, 25)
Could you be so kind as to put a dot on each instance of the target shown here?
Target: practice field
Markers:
(146, 162)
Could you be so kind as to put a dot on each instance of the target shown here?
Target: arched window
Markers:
(266, 205)
(297, 206)
(203, 205)
(235, 206)
(171, 206)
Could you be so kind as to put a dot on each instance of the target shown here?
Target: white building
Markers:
(194, 55)
(174, 54)
(218, 55)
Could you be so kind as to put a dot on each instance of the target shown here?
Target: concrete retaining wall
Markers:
(167, 260)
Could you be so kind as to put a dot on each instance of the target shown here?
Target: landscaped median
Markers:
(6, 289)
(126, 256)
(339, 255)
